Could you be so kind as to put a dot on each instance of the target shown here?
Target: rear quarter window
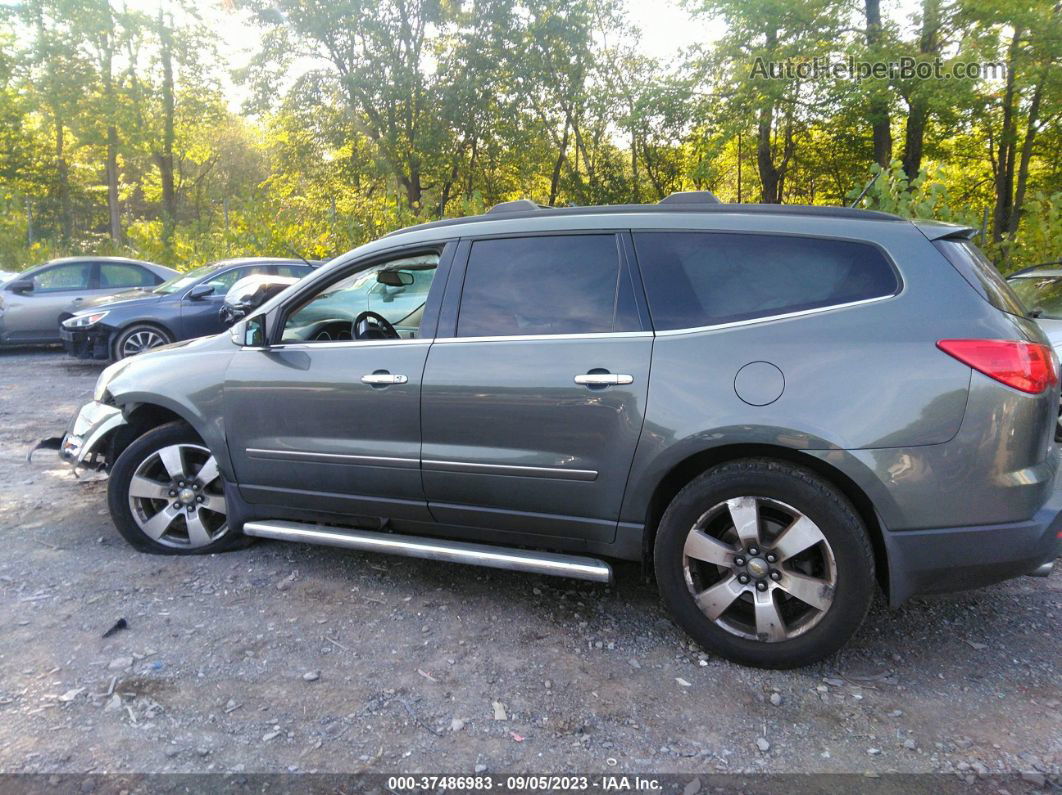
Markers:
(981, 274)
(695, 279)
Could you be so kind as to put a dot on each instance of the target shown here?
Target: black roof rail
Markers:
(517, 206)
(524, 208)
(690, 197)
(1030, 268)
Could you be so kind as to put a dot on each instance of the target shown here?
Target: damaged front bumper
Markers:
(83, 443)
(90, 343)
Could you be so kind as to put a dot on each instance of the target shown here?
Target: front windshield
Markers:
(178, 283)
(1043, 293)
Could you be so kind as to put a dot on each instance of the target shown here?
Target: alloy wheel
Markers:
(760, 569)
(140, 341)
(176, 497)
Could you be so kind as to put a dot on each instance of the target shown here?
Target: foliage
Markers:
(116, 135)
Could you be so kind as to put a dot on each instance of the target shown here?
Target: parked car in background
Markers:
(776, 409)
(33, 302)
(249, 293)
(1040, 289)
(6, 275)
(184, 307)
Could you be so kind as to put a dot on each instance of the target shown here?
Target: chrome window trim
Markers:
(783, 316)
(381, 460)
(510, 469)
(315, 344)
(595, 335)
(591, 335)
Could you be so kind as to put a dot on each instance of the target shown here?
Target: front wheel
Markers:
(765, 563)
(139, 338)
(165, 494)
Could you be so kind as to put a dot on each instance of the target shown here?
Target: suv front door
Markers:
(534, 404)
(323, 421)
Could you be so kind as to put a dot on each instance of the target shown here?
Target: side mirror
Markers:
(21, 286)
(200, 291)
(395, 278)
(254, 331)
(249, 333)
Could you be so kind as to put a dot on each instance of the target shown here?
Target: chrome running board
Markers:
(577, 567)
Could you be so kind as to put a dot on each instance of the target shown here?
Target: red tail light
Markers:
(1026, 366)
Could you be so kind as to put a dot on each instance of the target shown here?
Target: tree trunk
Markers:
(914, 135)
(1026, 154)
(635, 193)
(164, 158)
(62, 170)
(113, 209)
(918, 113)
(112, 184)
(878, 109)
(769, 177)
(1007, 147)
(554, 183)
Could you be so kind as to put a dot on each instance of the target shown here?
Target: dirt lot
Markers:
(293, 658)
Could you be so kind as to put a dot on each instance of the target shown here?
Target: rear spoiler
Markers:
(938, 230)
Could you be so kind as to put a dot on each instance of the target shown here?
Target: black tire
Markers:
(144, 330)
(813, 497)
(140, 452)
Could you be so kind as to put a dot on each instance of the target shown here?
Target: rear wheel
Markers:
(765, 563)
(139, 338)
(165, 494)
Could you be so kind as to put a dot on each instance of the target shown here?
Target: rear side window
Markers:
(697, 279)
(982, 275)
(121, 275)
(296, 271)
(564, 284)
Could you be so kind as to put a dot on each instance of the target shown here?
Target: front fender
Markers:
(92, 425)
(187, 380)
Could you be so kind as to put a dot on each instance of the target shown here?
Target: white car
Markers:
(1040, 289)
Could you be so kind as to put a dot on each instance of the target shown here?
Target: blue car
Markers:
(184, 307)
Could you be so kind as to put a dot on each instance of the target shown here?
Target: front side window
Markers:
(118, 275)
(384, 301)
(564, 284)
(63, 278)
(695, 279)
(223, 281)
(185, 280)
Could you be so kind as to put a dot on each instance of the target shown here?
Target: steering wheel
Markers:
(372, 326)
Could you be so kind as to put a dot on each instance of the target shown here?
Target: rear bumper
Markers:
(958, 558)
(91, 343)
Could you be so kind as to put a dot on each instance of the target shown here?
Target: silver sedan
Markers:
(33, 302)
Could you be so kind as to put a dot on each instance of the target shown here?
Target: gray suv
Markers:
(777, 410)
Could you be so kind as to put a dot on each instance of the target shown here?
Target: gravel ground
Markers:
(283, 657)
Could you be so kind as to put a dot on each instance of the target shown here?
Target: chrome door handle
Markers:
(603, 379)
(381, 379)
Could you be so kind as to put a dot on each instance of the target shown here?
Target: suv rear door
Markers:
(535, 388)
